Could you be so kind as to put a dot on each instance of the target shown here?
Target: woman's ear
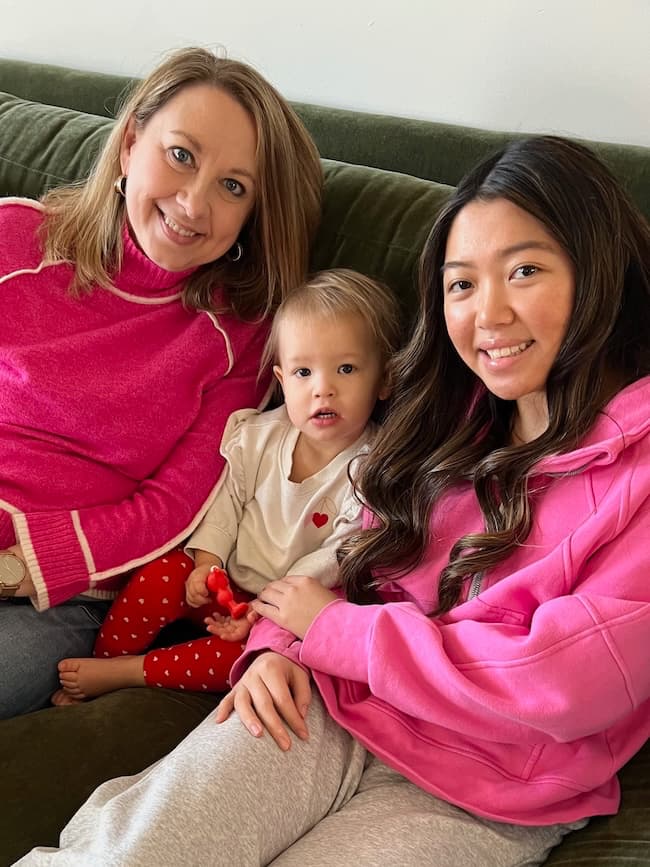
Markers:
(277, 373)
(128, 140)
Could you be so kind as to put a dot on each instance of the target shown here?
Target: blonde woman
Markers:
(135, 310)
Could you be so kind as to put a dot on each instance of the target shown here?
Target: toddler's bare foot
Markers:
(61, 698)
(86, 677)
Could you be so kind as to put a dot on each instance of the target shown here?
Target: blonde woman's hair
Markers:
(341, 292)
(83, 221)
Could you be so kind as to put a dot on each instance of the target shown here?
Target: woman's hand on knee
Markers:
(273, 694)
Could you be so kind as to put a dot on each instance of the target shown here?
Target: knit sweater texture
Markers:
(112, 407)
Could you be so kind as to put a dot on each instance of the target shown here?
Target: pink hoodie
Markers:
(112, 407)
(523, 702)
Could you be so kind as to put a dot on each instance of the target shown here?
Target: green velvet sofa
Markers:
(385, 180)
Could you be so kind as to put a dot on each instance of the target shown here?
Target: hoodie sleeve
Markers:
(573, 669)
(266, 636)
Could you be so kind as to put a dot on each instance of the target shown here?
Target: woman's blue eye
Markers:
(234, 187)
(302, 372)
(346, 368)
(181, 155)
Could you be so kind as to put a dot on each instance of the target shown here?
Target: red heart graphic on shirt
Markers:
(319, 519)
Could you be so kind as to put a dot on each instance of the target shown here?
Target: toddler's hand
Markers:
(229, 629)
(196, 587)
(293, 602)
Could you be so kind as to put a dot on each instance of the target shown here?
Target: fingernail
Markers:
(303, 710)
(255, 729)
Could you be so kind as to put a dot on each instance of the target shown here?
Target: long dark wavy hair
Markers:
(444, 428)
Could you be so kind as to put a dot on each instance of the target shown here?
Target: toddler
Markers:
(285, 502)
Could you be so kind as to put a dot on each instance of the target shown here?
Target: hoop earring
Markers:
(235, 253)
(120, 185)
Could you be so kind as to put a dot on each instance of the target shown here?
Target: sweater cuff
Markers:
(53, 552)
(322, 648)
(7, 532)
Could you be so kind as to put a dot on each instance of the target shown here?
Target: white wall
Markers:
(579, 67)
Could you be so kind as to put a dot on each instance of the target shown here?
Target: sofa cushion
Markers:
(93, 92)
(377, 221)
(42, 146)
(51, 760)
(622, 840)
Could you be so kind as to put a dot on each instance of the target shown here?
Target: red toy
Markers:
(218, 583)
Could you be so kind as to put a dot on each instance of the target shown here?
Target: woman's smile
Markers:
(508, 300)
(176, 229)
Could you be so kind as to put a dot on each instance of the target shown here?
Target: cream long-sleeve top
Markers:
(263, 526)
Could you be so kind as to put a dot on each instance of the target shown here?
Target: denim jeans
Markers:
(33, 642)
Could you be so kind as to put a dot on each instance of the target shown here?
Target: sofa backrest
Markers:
(434, 151)
(92, 92)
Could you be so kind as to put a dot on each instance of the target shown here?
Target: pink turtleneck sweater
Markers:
(112, 407)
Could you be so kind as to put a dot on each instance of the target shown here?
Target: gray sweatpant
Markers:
(225, 799)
